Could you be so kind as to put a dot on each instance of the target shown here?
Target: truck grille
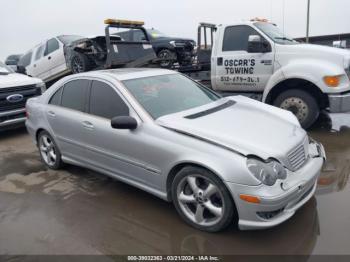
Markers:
(297, 157)
(26, 91)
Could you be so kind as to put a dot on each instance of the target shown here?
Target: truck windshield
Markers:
(275, 34)
(168, 94)
(4, 69)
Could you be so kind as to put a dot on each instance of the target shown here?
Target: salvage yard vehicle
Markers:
(47, 60)
(67, 54)
(170, 50)
(256, 59)
(15, 89)
(164, 133)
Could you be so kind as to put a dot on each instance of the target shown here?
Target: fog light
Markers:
(269, 215)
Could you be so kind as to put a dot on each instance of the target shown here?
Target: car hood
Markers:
(247, 127)
(15, 79)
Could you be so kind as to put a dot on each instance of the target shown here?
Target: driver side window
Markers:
(236, 38)
(105, 101)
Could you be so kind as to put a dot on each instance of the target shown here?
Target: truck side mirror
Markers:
(256, 44)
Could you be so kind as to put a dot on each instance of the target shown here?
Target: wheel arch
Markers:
(300, 84)
(177, 168)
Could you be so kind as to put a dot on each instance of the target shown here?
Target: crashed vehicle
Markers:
(67, 54)
(170, 50)
(164, 133)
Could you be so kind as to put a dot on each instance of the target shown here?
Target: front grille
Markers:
(26, 91)
(297, 157)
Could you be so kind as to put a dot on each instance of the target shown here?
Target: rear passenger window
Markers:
(74, 95)
(39, 52)
(56, 98)
(105, 101)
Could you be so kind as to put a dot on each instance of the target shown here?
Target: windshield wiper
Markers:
(284, 38)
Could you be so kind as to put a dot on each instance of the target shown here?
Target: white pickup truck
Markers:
(257, 59)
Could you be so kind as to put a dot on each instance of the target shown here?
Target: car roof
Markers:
(129, 73)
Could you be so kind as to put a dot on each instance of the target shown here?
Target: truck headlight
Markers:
(268, 172)
(42, 87)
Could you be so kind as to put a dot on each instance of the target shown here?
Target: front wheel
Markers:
(302, 104)
(80, 63)
(202, 200)
(167, 58)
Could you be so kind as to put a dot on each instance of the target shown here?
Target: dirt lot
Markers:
(82, 212)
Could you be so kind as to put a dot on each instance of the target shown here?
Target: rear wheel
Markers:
(302, 104)
(202, 199)
(49, 152)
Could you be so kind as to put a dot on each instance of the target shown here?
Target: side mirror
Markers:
(258, 45)
(124, 122)
(21, 69)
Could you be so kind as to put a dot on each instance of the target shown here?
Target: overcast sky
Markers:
(25, 23)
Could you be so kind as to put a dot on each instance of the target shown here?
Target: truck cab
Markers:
(256, 57)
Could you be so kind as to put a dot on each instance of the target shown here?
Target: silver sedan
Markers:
(219, 160)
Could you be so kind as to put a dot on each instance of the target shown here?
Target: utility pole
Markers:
(308, 22)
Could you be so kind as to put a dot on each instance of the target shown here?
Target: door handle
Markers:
(51, 113)
(34, 65)
(220, 61)
(88, 125)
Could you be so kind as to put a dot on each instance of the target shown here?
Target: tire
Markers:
(167, 58)
(215, 209)
(80, 63)
(49, 151)
(302, 104)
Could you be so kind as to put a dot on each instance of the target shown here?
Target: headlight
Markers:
(42, 87)
(267, 173)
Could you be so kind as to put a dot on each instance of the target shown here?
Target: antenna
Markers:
(308, 22)
(283, 12)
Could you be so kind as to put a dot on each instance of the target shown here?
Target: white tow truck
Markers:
(256, 59)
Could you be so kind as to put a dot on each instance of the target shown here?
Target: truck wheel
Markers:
(80, 63)
(167, 58)
(202, 199)
(302, 104)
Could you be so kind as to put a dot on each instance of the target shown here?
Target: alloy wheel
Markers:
(47, 150)
(200, 200)
(77, 65)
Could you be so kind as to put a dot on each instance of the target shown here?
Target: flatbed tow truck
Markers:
(252, 58)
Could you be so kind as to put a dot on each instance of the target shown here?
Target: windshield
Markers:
(155, 33)
(4, 69)
(169, 94)
(67, 39)
(275, 34)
